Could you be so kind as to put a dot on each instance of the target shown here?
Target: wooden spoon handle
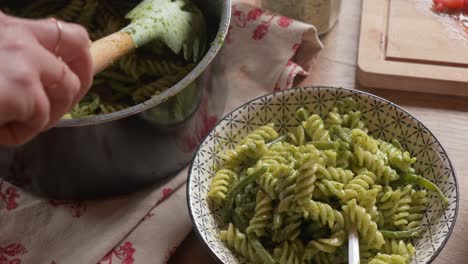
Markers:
(109, 49)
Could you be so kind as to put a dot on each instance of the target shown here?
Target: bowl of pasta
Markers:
(284, 177)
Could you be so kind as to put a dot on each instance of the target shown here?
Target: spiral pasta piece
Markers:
(334, 174)
(330, 188)
(385, 174)
(285, 150)
(286, 188)
(418, 207)
(155, 88)
(107, 108)
(356, 215)
(366, 252)
(263, 215)
(400, 219)
(322, 212)
(327, 245)
(266, 133)
(361, 138)
(305, 179)
(397, 158)
(329, 157)
(333, 118)
(315, 128)
(388, 259)
(238, 242)
(129, 65)
(220, 185)
(297, 136)
(325, 258)
(358, 185)
(268, 183)
(279, 153)
(398, 247)
(387, 203)
(353, 120)
(289, 252)
(290, 230)
(159, 68)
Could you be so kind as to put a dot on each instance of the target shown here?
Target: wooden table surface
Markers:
(446, 116)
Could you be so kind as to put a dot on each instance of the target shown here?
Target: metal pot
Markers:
(120, 152)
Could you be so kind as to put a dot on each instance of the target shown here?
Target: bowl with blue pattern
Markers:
(383, 119)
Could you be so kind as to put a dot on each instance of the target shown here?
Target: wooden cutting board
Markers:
(405, 46)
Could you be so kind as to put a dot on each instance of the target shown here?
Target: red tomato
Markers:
(444, 5)
(453, 4)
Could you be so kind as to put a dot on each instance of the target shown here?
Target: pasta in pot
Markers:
(135, 78)
(292, 198)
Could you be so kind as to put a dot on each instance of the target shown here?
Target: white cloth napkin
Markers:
(147, 227)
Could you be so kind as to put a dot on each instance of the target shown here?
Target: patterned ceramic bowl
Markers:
(384, 119)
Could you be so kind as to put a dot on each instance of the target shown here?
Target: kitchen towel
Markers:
(258, 57)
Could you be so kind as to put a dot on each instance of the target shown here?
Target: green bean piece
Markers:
(230, 197)
(325, 145)
(346, 104)
(340, 133)
(239, 221)
(397, 144)
(411, 233)
(262, 253)
(302, 114)
(409, 178)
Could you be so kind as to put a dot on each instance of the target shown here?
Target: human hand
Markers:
(46, 69)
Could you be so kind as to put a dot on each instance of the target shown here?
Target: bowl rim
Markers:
(215, 47)
(356, 91)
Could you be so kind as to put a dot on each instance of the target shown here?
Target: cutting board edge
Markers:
(379, 80)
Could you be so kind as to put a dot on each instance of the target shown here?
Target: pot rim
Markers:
(215, 47)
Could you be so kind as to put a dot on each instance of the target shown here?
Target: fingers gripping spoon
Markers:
(178, 23)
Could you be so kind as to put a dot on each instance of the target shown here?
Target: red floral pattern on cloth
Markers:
(262, 30)
(241, 20)
(9, 196)
(285, 22)
(12, 253)
(289, 74)
(166, 193)
(121, 255)
(239, 17)
(254, 14)
(77, 209)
